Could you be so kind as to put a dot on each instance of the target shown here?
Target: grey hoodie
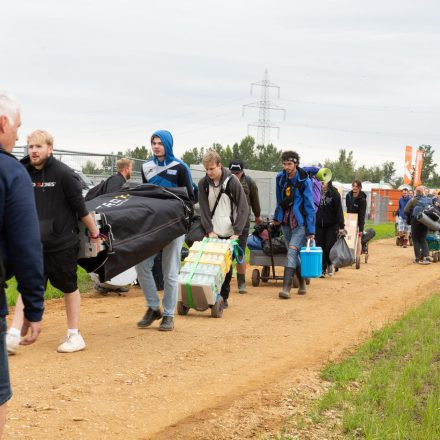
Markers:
(221, 223)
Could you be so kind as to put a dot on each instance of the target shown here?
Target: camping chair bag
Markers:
(139, 222)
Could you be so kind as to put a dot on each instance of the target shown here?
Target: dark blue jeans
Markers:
(5, 383)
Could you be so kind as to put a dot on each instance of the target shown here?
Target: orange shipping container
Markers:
(393, 204)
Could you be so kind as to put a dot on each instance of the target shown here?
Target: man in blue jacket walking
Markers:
(20, 247)
(164, 169)
(403, 227)
(295, 212)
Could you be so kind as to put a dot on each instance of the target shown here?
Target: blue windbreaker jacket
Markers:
(303, 201)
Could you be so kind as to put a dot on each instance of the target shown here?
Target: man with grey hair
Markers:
(20, 246)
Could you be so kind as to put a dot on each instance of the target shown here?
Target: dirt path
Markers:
(210, 378)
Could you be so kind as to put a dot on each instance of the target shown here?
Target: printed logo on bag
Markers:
(118, 200)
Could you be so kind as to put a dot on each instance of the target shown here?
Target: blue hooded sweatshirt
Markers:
(302, 207)
(172, 172)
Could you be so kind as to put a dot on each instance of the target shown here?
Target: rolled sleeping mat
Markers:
(430, 224)
(433, 213)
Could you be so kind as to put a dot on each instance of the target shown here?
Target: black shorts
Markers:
(60, 269)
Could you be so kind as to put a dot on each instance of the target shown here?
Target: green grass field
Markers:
(390, 388)
(384, 230)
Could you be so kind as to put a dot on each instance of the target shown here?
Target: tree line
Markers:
(344, 169)
(267, 158)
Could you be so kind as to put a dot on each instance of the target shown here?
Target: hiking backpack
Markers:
(422, 203)
(316, 188)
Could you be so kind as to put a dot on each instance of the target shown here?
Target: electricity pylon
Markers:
(264, 124)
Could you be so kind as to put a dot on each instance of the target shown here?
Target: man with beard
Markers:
(59, 200)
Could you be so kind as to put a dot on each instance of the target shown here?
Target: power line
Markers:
(264, 124)
(371, 107)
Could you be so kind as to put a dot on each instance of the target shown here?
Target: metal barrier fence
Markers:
(93, 165)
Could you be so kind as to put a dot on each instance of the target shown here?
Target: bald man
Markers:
(418, 230)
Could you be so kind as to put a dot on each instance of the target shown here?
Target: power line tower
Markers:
(264, 124)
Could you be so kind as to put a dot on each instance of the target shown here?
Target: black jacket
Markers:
(20, 247)
(114, 183)
(330, 211)
(59, 200)
(357, 206)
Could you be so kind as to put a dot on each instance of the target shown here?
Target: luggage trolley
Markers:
(356, 241)
(268, 262)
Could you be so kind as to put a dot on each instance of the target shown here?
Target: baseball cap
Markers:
(236, 166)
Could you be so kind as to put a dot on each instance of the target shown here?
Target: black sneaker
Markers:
(101, 290)
(150, 316)
(225, 303)
(167, 324)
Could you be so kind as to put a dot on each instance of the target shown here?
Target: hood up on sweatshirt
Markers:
(167, 141)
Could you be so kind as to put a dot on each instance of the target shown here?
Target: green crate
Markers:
(433, 242)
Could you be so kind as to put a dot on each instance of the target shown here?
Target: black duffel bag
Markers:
(278, 246)
(195, 231)
(139, 222)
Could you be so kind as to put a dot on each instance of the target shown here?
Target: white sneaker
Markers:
(330, 270)
(12, 343)
(72, 343)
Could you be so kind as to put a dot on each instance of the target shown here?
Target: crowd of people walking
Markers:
(41, 202)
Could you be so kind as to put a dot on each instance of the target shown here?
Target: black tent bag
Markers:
(139, 222)
(367, 236)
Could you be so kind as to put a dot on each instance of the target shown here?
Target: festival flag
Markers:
(407, 175)
(418, 168)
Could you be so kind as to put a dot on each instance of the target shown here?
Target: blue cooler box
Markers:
(311, 261)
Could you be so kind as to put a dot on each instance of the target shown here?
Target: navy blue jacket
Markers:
(172, 172)
(20, 246)
(402, 204)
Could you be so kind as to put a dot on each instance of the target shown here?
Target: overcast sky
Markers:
(103, 75)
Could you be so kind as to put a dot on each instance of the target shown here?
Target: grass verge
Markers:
(84, 284)
(390, 388)
(383, 230)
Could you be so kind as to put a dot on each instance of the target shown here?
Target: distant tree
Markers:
(109, 162)
(193, 156)
(388, 171)
(142, 153)
(397, 182)
(363, 173)
(429, 166)
(268, 158)
(343, 168)
(227, 156)
(91, 168)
